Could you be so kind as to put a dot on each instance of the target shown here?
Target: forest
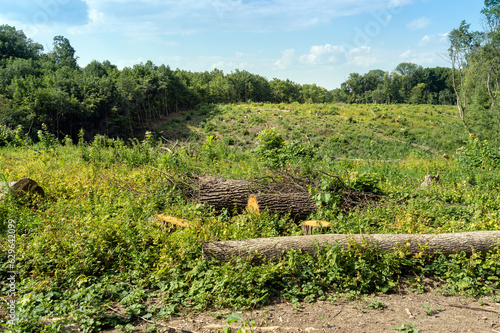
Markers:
(50, 88)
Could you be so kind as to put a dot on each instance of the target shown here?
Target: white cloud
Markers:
(419, 23)
(439, 39)
(323, 54)
(361, 56)
(287, 59)
(405, 55)
(179, 17)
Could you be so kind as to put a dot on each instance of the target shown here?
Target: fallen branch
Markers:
(275, 248)
(173, 220)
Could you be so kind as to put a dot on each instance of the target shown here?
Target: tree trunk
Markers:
(275, 248)
(224, 193)
(299, 204)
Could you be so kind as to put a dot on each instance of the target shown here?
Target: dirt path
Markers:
(428, 312)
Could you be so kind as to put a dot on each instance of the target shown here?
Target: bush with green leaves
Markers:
(47, 140)
(479, 154)
(278, 153)
(12, 137)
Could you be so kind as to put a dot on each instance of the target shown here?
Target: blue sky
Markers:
(315, 41)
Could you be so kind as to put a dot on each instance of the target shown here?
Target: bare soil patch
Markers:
(428, 312)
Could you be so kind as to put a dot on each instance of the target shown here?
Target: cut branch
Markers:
(173, 220)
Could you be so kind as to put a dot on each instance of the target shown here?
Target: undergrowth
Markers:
(92, 246)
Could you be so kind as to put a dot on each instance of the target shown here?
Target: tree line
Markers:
(50, 88)
(475, 59)
(407, 84)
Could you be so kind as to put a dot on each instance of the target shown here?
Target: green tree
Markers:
(417, 94)
(463, 44)
(63, 54)
(15, 44)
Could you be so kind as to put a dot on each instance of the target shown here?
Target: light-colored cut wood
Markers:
(308, 227)
(173, 220)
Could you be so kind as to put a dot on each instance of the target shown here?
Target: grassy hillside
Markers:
(91, 244)
(384, 131)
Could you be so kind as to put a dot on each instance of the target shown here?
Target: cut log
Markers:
(25, 186)
(276, 247)
(224, 193)
(173, 220)
(299, 204)
(312, 227)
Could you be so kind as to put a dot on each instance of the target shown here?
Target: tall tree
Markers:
(464, 44)
(14, 43)
(63, 53)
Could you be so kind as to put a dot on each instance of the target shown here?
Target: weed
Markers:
(377, 305)
(92, 242)
(406, 327)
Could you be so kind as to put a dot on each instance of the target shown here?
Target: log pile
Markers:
(239, 195)
(288, 195)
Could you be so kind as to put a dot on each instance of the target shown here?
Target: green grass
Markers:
(91, 243)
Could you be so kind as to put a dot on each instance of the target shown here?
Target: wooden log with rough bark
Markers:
(310, 227)
(275, 248)
(224, 193)
(299, 204)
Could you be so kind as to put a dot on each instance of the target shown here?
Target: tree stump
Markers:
(299, 204)
(26, 186)
(429, 179)
(312, 227)
(224, 193)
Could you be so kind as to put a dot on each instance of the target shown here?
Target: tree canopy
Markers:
(14, 43)
(51, 88)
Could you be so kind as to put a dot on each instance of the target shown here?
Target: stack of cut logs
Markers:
(237, 195)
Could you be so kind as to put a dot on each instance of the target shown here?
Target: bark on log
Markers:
(276, 247)
(224, 193)
(309, 227)
(299, 204)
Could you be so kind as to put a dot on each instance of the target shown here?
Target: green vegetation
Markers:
(475, 59)
(39, 88)
(91, 243)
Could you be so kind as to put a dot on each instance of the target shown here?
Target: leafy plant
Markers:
(479, 154)
(47, 139)
(377, 305)
(406, 327)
